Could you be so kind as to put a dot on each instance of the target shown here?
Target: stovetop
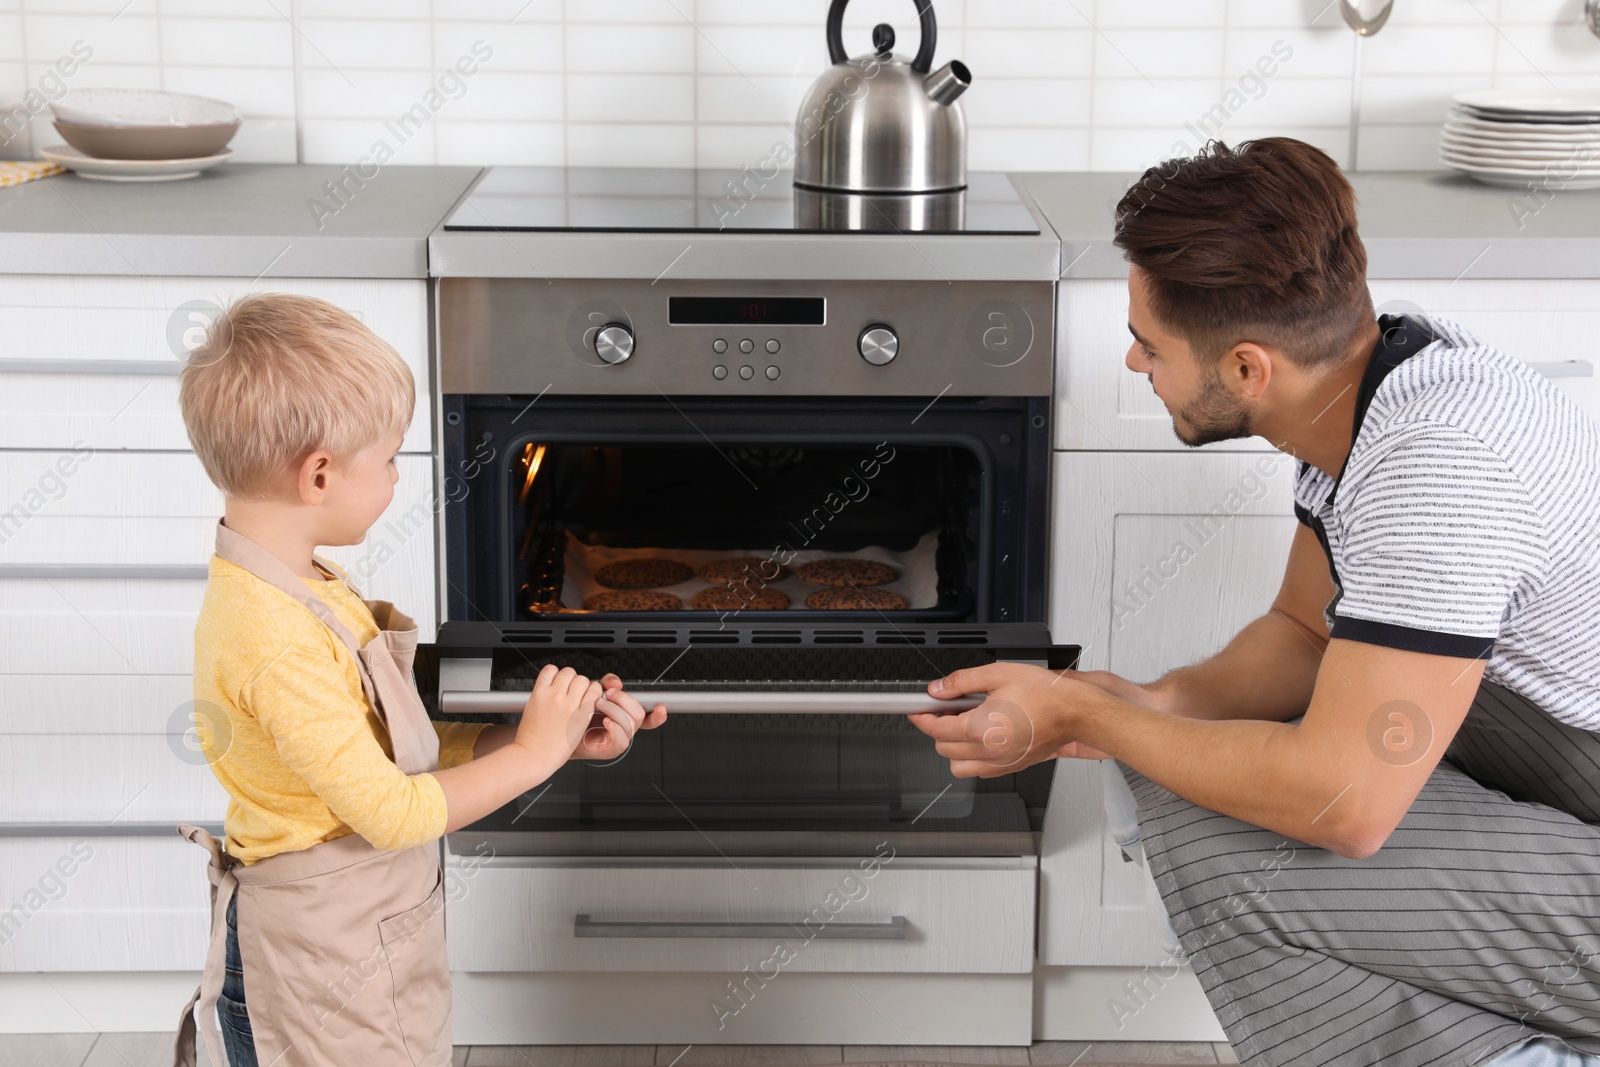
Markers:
(683, 200)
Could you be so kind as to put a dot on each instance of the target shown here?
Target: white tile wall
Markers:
(1096, 84)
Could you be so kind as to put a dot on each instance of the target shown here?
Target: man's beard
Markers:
(1214, 415)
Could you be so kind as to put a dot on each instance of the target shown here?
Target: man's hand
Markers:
(1026, 719)
(617, 717)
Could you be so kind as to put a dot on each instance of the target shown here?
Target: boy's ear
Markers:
(313, 477)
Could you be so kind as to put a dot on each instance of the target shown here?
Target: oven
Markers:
(639, 380)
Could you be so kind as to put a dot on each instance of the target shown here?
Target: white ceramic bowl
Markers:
(142, 107)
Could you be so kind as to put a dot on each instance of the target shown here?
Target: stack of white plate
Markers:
(1514, 137)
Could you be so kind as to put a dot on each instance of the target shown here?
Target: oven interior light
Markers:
(531, 458)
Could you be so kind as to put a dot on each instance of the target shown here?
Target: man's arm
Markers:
(1342, 778)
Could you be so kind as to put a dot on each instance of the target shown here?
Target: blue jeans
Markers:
(1544, 1052)
(236, 1038)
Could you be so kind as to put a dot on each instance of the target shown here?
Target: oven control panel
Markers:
(844, 338)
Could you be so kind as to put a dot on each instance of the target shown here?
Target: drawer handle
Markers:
(893, 930)
(92, 366)
(700, 702)
(182, 571)
(1566, 368)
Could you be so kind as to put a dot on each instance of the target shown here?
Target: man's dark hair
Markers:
(1255, 243)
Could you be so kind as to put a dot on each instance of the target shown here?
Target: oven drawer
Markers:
(901, 914)
(95, 360)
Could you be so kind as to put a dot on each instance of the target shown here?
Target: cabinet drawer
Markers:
(78, 521)
(1101, 405)
(911, 915)
(122, 777)
(75, 702)
(95, 359)
(102, 904)
(1552, 324)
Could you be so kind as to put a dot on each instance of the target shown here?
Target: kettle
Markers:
(877, 124)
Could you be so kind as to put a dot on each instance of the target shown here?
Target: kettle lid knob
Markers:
(882, 39)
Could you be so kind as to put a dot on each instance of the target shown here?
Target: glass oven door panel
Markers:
(524, 480)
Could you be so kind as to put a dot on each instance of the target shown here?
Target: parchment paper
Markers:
(918, 581)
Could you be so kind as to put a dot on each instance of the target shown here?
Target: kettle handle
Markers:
(930, 35)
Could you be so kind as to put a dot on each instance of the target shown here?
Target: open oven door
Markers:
(781, 739)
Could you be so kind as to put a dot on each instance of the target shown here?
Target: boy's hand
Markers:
(556, 715)
(618, 716)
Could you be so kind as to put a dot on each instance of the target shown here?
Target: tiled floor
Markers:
(155, 1050)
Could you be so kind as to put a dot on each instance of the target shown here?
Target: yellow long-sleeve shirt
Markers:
(286, 726)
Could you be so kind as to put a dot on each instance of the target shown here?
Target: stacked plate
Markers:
(1516, 137)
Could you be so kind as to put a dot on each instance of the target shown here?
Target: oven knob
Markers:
(613, 343)
(878, 344)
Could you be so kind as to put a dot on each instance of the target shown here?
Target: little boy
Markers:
(330, 888)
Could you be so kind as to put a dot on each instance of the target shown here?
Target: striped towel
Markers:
(17, 173)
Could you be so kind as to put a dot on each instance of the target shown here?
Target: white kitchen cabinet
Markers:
(94, 360)
(102, 574)
(1553, 324)
(88, 703)
(1157, 560)
(122, 777)
(521, 914)
(79, 522)
(1099, 403)
(102, 904)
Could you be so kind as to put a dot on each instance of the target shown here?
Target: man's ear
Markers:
(316, 470)
(1247, 368)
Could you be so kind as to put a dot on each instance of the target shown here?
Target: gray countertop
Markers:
(245, 220)
(1416, 224)
(239, 220)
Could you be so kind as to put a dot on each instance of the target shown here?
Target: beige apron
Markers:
(342, 943)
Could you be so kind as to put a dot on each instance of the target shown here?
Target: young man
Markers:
(1374, 817)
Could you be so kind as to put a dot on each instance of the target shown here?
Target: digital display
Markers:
(739, 311)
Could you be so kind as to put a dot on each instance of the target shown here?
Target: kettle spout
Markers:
(948, 82)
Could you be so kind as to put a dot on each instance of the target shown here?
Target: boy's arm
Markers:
(303, 700)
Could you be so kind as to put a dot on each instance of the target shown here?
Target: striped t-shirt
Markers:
(1466, 520)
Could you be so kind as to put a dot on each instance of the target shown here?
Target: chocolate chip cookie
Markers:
(643, 573)
(847, 572)
(738, 568)
(632, 600)
(865, 599)
(739, 596)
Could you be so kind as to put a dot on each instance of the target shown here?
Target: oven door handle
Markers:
(701, 701)
(892, 930)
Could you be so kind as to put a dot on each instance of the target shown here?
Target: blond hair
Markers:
(279, 377)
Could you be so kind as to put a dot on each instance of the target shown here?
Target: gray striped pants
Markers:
(1474, 928)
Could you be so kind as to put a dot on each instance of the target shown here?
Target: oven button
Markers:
(772, 374)
(613, 343)
(719, 346)
(747, 345)
(773, 346)
(878, 344)
(719, 372)
(747, 373)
